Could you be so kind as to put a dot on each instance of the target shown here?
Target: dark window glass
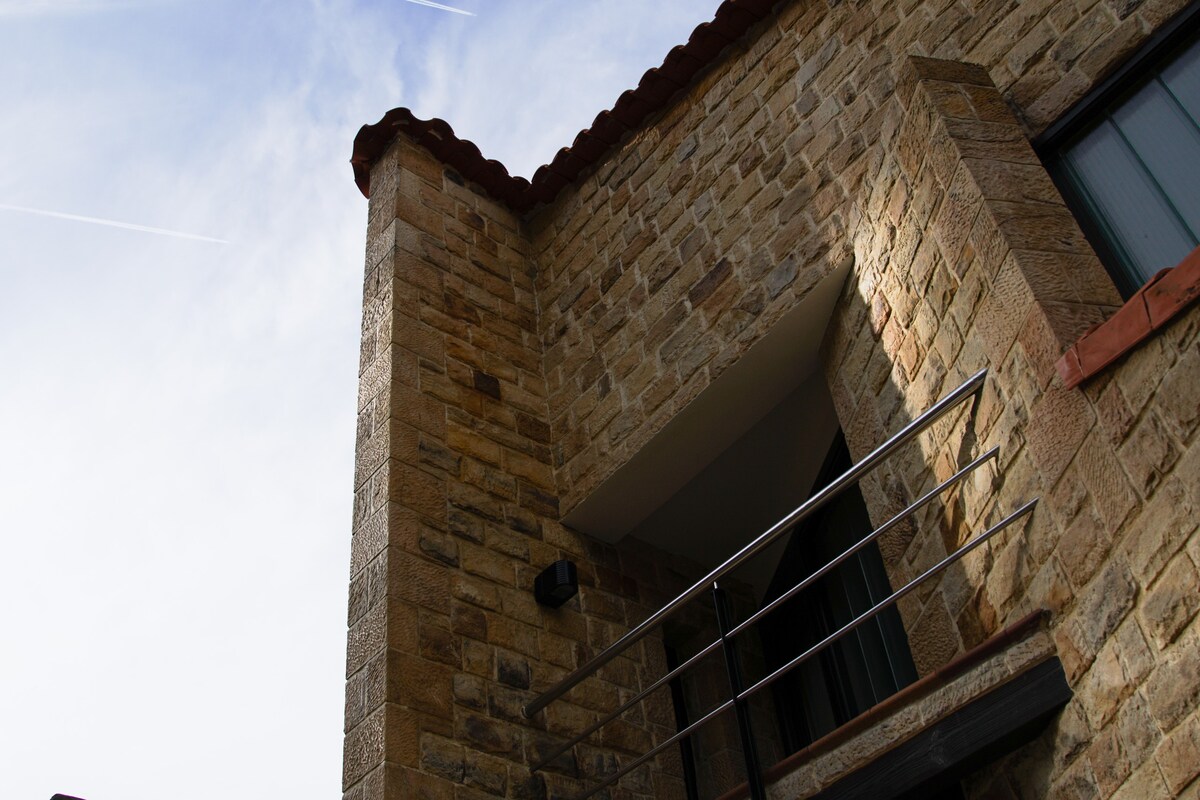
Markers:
(858, 671)
(1132, 171)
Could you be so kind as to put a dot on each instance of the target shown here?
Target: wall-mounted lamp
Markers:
(557, 584)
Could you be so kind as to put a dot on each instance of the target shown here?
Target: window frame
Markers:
(1160, 44)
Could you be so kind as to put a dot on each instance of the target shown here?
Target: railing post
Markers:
(736, 684)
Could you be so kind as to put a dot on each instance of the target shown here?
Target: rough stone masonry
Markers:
(512, 359)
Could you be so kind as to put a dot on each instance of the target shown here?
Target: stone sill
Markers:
(1168, 292)
(910, 713)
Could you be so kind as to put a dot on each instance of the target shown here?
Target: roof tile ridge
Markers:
(436, 135)
(658, 85)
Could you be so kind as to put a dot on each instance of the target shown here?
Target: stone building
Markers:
(816, 218)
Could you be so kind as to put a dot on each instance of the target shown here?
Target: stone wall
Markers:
(819, 138)
(456, 511)
(975, 253)
(511, 365)
(659, 268)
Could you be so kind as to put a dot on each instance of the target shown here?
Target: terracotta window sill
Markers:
(1168, 293)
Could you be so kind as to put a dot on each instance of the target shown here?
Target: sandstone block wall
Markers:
(456, 511)
(662, 266)
(1002, 279)
(510, 365)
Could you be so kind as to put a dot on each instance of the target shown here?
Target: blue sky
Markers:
(176, 415)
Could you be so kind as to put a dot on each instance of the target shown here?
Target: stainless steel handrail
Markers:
(807, 654)
(892, 598)
(939, 409)
(882, 529)
(875, 534)
(628, 704)
(658, 748)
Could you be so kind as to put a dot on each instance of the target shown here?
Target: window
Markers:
(1128, 158)
(864, 668)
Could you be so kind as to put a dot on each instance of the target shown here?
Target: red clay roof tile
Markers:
(656, 88)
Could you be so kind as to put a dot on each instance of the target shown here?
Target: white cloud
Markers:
(31, 8)
(538, 72)
(177, 428)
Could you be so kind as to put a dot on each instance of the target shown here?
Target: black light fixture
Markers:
(557, 584)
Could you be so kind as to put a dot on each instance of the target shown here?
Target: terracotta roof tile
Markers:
(656, 88)
(608, 128)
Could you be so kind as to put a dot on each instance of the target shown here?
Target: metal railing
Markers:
(739, 693)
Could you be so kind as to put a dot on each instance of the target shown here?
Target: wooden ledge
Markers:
(1016, 662)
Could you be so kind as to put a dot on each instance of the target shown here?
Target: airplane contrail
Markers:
(432, 4)
(129, 226)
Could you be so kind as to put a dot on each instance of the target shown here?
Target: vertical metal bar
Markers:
(734, 667)
(686, 751)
